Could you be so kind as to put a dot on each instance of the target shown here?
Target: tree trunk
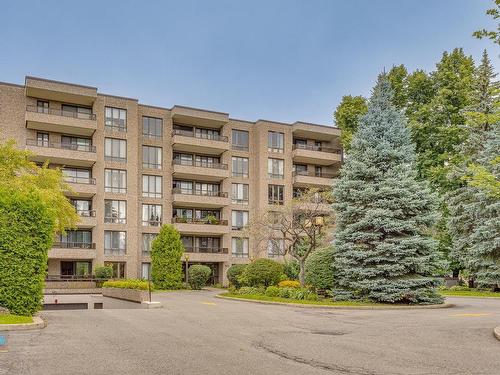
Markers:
(302, 272)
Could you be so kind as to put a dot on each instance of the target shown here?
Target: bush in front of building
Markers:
(128, 284)
(103, 272)
(261, 272)
(198, 276)
(319, 269)
(234, 272)
(289, 284)
(291, 269)
(26, 235)
(166, 263)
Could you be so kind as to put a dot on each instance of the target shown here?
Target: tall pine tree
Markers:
(383, 249)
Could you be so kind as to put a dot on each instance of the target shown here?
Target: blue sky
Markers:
(277, 60)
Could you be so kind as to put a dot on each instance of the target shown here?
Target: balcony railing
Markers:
(203, 193)
(211, 250)
(151, 223)
(239, 255)
(196, 163)
(74, 245)
(193, 134)
(190, 220)
(314, 174)
(71, 278)
(115, 220)
(330, 150)
(86, 213)
(59, 112)
(80, 180)
(64, 146)
(115, 251)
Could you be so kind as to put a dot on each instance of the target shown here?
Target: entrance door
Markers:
(67, 268)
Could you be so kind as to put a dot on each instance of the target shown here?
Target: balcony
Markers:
(58, 121)
(62, 153)
(207, 254)
(193, 142)
(200, 226)
(311, 179)
(87, 218)
(199, 117)
(81, 186)
(72, 250)
(194, 170)
(60, 91)
(199, 198)
(318, 155)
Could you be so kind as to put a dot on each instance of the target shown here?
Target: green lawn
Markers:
(14, 319)
(259, 297)
(469, 293)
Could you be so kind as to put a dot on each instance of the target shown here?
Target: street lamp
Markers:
(186, 260)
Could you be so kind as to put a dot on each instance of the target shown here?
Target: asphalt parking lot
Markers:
(196, 333)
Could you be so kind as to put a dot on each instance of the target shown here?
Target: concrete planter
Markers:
(133, 295)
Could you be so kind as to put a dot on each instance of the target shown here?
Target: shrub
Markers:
(291, 269)
(127, 284)
(234, 272)
(103, 272)
(198, 276)
(261, 272)
(289, 284)
(251, 290)
(166, 264)
(297, 293)
(26, 235)
(319, 269)
(272, 291)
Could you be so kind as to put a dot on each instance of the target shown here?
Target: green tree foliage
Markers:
(347, 116)
(261, 272)
(233, 274)
(26, 235)
(319, 269)
(492, 35)
(291, 268)
(166, 263)
(383, 250)
(397, 77)
(198, 276)
(103, 272)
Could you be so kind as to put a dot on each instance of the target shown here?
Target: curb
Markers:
(476, 297)
(417, 307)
(496, 332)
(38, 323)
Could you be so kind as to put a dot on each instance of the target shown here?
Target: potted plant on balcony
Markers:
(211, 219)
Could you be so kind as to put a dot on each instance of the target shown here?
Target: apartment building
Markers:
(133, 167)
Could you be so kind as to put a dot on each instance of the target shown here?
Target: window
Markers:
(317, 145)
(300, 143)
(147, 238)
(77, 112)
(275, 141)
(240, 140)
(83, 207)
(239, 193)
(201, 244)
(77, 176)
(275, 194)
(183, 187)
(275, 247)
(115, 181)
(206, 161)
(115, 212)
(115, 243)
(240, 167)
(115, 149)
(76, 143)
(76, 239)
(183, 159)
(118, 269)
(75, 268)
(185, 130)
(151, 186)
(146, 271)
(200, 215)
(42, 106)
(42, 139)
(239, 247)
(275, 168)
(318, 171)
(151, 157)
(300, 169)
(152, 127)
(151, 215)
(206, 188)
(239, 219)
(115, 119)
(207, 133)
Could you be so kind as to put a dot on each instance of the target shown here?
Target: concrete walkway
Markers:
(196, 333)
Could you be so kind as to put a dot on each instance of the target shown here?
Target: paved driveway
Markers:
(196, 333)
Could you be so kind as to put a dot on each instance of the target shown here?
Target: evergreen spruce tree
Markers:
(383, 248)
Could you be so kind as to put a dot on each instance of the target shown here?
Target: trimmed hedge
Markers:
(198, 276)
(319, 269)
(128, 284)
(261, 272)
(234, 272)
(103, 272)
(26, 234)
(166, 263)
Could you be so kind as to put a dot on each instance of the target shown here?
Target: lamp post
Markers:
(186, 260)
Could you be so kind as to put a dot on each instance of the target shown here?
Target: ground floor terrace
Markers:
(196, 333)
